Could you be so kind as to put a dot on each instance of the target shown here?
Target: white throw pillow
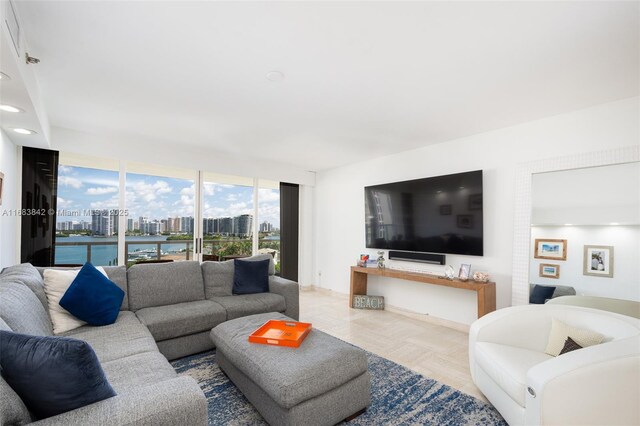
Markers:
(56, 283)
(560, 331)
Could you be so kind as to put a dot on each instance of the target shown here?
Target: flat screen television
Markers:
(441, 214)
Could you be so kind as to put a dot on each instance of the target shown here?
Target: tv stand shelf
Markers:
(486, 292)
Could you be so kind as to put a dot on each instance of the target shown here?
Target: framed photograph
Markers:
(598, 261)
(445, 209)
(465, 271)
(548, 270)
(551, 249)
(1, 186)
(475, 202)
(465, 221)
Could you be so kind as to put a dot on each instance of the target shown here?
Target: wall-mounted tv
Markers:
(441, 214)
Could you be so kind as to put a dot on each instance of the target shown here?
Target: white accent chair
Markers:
(596, 385)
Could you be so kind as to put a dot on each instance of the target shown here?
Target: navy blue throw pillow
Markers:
(250, 276)
(52, 374)
(540, 294)
(92, 297)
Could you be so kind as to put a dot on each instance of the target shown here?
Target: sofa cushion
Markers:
(117, 274)
(28, 275)
(126, 337)
(540, 294)
(92, 297)
(259, 257)
(181, 319)
(250, 304)
(56, 284)
(508, 366)
(22, 310)
(4, 326)
(52, 375)
(560, 331)
(12, 408)
(250, 277)
(139, 370)
(163, 284)
(218, 278)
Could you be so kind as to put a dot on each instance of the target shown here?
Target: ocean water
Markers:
(104, 255)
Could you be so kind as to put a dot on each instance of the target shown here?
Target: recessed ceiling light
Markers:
(568, 224)
(614, 223)
(275, 76)
(24, 131)
(462, 187)
(3, 76)
(10, 108)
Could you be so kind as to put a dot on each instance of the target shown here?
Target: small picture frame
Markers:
(475, 202)
(465, 221)
(551, 249)
(598, 261)
(465, 271)
(445, 209)
(549, 270)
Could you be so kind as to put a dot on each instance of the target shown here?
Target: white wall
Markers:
(9, 157)
(339, 203)
(625, 240)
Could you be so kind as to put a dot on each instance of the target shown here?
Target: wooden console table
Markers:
(486, 292)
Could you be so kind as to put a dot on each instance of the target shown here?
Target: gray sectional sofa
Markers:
(167, 313)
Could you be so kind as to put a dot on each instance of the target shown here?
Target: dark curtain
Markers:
(289, 225)
(39, 202)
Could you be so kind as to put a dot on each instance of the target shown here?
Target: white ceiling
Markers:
(362, 79)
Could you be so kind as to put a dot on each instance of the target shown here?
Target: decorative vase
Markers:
(381, 259)
(449, 272)
(481, 277)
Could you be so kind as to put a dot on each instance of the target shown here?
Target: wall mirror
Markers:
(585, 230)
(589, 202)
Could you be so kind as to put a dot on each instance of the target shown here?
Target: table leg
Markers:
(358, 285)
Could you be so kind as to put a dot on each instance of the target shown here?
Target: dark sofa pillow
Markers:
(250, 276)
(569, 346)
(92, 297)
(51, 374)
(540, 294)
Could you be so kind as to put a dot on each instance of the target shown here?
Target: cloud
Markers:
(62, 169)
(149, 191)
(69, 181)
(109, 203)
(268, 195)
(63, 203)
(101, 190)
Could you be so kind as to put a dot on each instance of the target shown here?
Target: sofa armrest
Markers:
(291, 293)
(595, 385)
(175, 402)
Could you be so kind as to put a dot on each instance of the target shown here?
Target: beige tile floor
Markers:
(433, 350)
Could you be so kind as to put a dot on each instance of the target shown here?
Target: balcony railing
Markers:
(212, 249)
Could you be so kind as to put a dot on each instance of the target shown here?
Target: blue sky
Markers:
(159, 197)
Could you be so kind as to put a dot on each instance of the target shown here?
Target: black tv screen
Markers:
(441, 214)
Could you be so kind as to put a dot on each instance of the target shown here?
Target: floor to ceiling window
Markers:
(87, 219)
(160, 203)
(161, 214)
(227, 216)
(269, 219)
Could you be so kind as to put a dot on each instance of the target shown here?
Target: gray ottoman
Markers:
(322, 382)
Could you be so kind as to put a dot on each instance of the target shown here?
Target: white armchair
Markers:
(597, 385)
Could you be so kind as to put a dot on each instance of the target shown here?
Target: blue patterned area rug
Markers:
(398, 397)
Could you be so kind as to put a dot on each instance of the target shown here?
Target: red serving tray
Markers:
(281, 333)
